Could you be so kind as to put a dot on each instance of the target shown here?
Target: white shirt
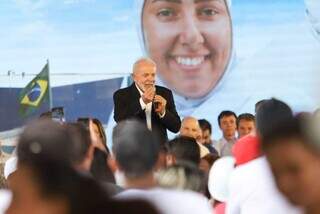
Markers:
(224, 147)
(252, 190)
(147, 108)
(203, 150)
(170, 201)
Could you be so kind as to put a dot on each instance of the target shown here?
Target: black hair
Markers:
(99, 167)
(135, 147)
(270, 113)
(81, 141)
(205, 125)
(45, 148)
(185, 149)
(226, 114)
(245, 116)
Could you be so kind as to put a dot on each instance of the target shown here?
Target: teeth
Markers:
(189, 61)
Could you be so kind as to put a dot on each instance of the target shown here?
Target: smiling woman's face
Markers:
(190, 41)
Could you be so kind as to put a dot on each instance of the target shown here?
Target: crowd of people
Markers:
(263, 163)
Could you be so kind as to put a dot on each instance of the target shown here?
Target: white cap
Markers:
(10, 166)
(219, 176)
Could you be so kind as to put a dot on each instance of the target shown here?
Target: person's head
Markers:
(135, 149)
(45, 181)
(245, 124)
(82, 147)
(258, 104)
(269, 114)
(183, 149)
(96, 131)
(206, 131)
(190, 128)
(294, 158)
(182, 176)
(190, 40)
(207, 161)
(99, 131)
(144, 73)
(227, 121)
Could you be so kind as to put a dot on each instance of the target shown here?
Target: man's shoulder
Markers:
(123, 90)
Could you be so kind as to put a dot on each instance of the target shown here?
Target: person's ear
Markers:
(112, 163)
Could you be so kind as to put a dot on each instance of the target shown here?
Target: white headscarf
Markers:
(185, 105)
(313, 14)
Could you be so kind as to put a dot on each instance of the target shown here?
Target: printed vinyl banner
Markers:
(214, 55)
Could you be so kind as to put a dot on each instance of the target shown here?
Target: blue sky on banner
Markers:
(99, 36)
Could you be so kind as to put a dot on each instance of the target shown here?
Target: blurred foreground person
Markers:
(293, 151)
(182, 176)
(183, 149)
(136, 150)
(45, 181)
(252, 187)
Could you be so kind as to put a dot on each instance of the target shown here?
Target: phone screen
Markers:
(58, 114)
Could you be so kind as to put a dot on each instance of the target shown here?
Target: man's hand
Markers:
(148, 94)
(160, 104)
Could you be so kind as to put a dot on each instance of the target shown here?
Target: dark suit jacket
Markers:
(127, 106)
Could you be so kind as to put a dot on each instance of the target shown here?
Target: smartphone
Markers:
(57, 114)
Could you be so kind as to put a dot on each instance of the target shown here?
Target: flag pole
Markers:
(50, 90)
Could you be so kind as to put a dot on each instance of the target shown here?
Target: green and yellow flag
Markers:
(33, 95)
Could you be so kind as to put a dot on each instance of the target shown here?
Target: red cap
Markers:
(246, 149)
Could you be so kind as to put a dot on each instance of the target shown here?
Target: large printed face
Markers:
(190, 41)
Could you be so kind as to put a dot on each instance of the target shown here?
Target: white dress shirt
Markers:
(147, 109)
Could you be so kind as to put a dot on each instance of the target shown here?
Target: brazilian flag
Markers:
(33, 95)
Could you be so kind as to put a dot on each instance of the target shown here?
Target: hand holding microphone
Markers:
(149, 94)
(159, 104)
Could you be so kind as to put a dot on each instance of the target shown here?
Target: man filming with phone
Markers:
(143, 100)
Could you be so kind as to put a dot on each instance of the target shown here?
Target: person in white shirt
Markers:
(228, 125)
(135, 153)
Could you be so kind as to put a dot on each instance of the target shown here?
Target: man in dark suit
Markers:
(143, 100)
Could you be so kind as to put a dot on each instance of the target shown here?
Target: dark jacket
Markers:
(127, 106)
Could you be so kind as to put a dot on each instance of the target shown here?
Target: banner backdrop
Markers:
(214, 55)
